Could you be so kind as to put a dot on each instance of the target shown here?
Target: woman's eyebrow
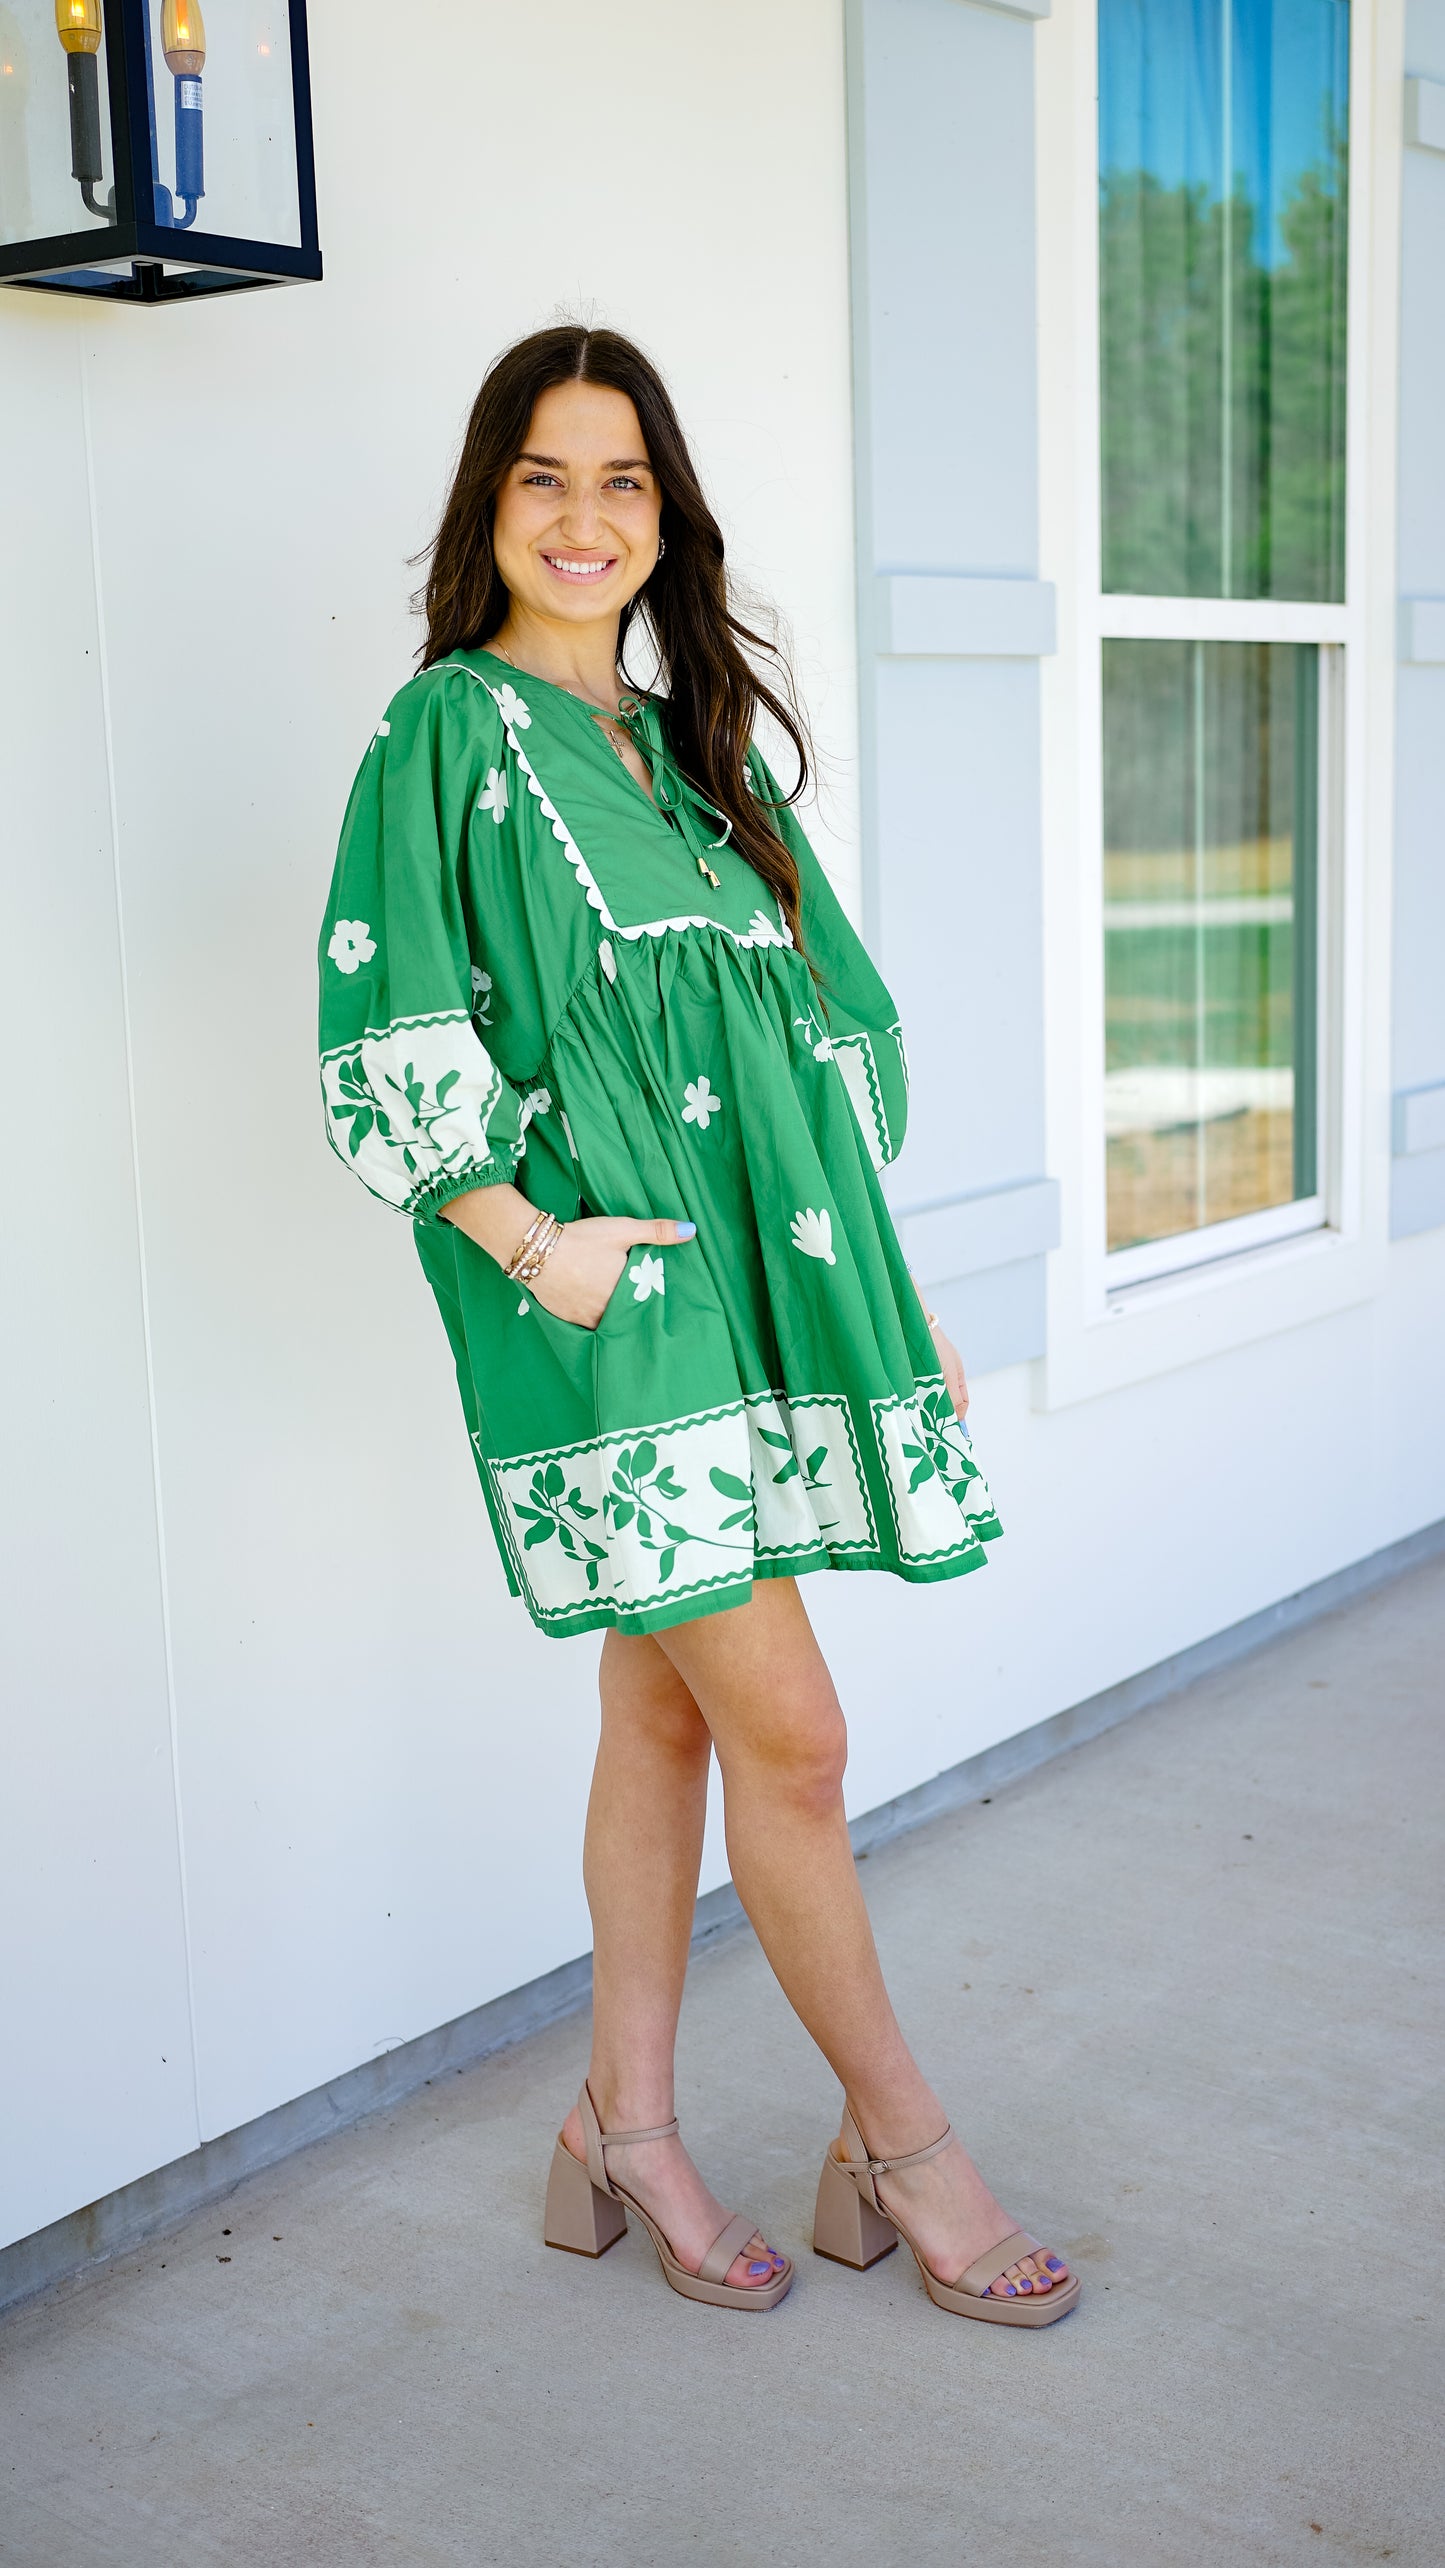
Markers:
(619, 463)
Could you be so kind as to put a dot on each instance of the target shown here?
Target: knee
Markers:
(804, 1749)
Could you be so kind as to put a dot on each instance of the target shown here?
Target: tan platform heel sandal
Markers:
(586, 2215)
(851, 2226)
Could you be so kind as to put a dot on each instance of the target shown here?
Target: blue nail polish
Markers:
(687, 1230)
(1012, 2290)
(760, 2269)
(1053, 2264)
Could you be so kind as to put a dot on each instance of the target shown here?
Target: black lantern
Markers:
(140, 164)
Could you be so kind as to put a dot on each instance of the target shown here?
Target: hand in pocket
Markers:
(585, 1268)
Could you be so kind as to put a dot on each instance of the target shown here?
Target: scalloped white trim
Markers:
(760, 929)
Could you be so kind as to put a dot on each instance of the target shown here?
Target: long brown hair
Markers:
(714, 693)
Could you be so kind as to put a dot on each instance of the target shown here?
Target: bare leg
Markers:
(640, 1862)
(758, 1679)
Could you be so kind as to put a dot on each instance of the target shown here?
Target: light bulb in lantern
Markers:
(183, 38)
(77, 23)
(183, 42)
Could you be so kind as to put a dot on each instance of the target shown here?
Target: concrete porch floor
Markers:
(1183, 1990)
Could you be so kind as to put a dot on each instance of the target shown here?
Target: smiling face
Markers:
(577, 517)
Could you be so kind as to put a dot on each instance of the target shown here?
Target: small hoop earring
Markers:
(661, 546)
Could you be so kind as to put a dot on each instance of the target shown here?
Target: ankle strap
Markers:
(909, 2158)
(599, 2141)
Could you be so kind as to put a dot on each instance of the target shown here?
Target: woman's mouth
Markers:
(578, 569)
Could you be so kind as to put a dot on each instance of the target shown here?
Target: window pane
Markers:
(1211, 756)
(240, 148)
(1222, 160)
(54, 121)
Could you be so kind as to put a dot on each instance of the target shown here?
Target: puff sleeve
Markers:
(414, 1103)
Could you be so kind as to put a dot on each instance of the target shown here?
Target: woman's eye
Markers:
(540, 481)
(623, 481)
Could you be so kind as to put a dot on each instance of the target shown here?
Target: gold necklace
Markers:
(606, 722)
(607, 725)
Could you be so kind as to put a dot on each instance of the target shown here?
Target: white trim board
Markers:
(1418, 1120)
(953, 615)
(1422, 630)
(1417, 1194)
(971, 1232)
(1425, 114)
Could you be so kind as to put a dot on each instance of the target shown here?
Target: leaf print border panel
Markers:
(409, 1104)
(808, 1481)
(629, 1521)
(953, 1459)
(937, 1493)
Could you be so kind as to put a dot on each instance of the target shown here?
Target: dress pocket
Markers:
(579, 1328)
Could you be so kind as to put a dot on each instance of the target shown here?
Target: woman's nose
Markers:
(581, 516)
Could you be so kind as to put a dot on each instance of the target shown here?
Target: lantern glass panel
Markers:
(222, 118)
(54, 120)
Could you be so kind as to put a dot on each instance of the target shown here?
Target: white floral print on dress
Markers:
(493, 796)
(512, 709)
(814, 1037)
(700, 1102)
(481, 996)
(351, 943)
(813, 1236)
(649, 1275)
(537, 1102)
(763, 931)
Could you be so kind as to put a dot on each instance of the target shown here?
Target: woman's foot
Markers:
(955, 2219)
(660, 2175)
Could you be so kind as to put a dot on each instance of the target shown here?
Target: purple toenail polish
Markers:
(1012, 2289)
(761, 2269)
(1053, 2264)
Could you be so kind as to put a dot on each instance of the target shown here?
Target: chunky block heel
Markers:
(578, 2217)
(845, 2226)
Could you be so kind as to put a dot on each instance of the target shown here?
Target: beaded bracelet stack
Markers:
(536, 1247)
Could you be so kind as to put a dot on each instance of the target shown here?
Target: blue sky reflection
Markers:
(1165, 105)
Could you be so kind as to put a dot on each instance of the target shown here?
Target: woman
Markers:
(593, 1018)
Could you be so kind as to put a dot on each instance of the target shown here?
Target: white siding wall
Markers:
(382, 1769)
(379, 1768)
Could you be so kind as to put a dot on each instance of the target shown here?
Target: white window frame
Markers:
(1218, 1286)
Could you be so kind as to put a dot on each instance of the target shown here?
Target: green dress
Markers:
(527, 974)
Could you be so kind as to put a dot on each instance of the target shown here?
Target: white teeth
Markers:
(577, 570)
